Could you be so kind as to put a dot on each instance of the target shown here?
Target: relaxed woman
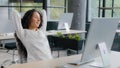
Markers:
(31, 32)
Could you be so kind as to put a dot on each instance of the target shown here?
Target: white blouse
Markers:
(35, 42)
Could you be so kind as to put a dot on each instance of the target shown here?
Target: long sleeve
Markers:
(16, 19)
(44, 18)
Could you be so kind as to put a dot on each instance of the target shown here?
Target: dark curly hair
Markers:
(25, 20)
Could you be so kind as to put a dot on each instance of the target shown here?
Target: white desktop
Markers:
(102, 32)
(65, 18)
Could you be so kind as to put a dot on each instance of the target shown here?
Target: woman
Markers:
(32, 34)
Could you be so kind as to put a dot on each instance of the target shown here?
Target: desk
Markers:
(7, 36)
(10, 36)
(53, 63)
(54, 32)
(51, 32)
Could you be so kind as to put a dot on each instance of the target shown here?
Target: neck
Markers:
(35, 29)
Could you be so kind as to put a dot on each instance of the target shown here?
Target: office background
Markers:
(84, 11)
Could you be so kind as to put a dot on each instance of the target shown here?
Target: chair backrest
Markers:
(65, 18)
(21, 50)
(52, 25)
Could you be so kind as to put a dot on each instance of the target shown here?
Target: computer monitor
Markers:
(65, 18)
(101, 30)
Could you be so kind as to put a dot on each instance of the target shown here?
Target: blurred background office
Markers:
(83, 12)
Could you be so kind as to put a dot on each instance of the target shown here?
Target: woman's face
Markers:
(35, 20)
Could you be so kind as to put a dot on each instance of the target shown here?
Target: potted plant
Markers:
(69, 41)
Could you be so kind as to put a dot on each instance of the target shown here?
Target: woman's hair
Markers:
(26, 18)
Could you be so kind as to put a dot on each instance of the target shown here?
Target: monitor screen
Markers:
(101, 30)
(65, 18)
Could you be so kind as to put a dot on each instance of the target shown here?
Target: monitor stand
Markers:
(103, 61)
(97, 63)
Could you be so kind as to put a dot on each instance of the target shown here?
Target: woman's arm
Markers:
(16, 19)
(44, 18)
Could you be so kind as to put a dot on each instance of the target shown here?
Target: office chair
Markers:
(22, 52)
(9, 46)
(52, 25)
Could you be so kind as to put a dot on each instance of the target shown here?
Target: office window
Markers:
(56, 8)
(28, 6)
(117, 10)
(94, 7)
(105, 8)
(108, 12)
